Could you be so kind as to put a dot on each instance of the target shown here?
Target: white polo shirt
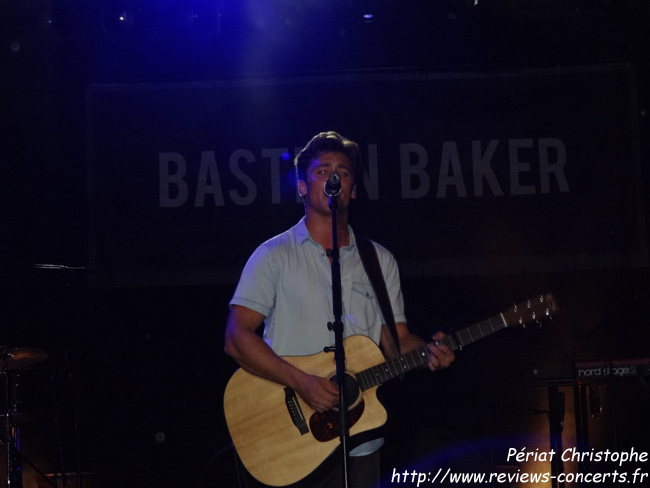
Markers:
(288, 280)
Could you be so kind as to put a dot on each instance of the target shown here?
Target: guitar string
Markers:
(378, 374)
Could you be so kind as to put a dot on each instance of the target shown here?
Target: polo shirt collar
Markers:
(302, 234)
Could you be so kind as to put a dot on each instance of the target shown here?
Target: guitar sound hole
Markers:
(326, 426)
(351, 390)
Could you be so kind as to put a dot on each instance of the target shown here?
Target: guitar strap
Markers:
(370, 261)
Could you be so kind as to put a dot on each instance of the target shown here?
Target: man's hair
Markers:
(326, 142)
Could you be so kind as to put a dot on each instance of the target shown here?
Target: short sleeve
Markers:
(256, 287)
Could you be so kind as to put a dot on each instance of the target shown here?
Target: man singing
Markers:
(287, 285)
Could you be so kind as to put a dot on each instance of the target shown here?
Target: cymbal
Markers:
(20, 358)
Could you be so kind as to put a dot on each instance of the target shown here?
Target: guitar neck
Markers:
(419, 357)
(520, 314)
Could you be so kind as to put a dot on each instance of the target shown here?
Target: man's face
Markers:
(317, 174)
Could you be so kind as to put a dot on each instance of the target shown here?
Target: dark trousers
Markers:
(364, 473)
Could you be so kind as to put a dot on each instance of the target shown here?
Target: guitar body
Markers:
(281, 440)
(271, 447)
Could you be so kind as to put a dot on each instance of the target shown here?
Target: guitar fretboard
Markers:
(379, 374)
(473, 333)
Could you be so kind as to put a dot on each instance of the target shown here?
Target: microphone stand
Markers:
(339, 350)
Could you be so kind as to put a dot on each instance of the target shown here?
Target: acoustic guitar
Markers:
(281, 440)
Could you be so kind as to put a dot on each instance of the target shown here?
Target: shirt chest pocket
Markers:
(362, 290)
(363, 307)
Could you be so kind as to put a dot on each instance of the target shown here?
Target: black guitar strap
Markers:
(370, 261)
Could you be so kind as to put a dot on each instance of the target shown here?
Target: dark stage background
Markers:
(507, 154)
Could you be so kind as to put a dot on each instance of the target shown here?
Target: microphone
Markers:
(333, 185)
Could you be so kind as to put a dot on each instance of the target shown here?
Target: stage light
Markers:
(121, 17)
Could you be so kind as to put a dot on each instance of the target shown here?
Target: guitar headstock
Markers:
(535, 310)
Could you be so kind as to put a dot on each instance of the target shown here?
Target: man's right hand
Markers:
(319, 393)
